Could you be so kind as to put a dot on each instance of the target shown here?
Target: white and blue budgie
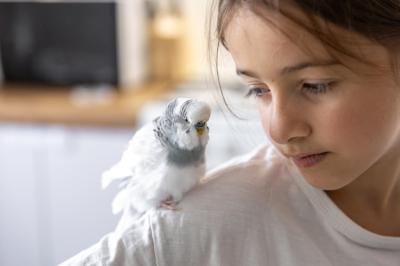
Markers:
(164, 159)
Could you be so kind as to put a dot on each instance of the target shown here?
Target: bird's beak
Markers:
(200, 130)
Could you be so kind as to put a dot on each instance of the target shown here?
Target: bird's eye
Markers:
(200, 124)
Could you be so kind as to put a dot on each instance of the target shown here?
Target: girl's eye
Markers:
(317, 88)
(256, 92)
(314, 88)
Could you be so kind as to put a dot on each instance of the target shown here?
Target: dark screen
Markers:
(59, 43)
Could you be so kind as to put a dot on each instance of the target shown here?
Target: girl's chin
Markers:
(324, 183)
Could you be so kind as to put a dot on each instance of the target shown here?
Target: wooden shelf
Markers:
(44, 104)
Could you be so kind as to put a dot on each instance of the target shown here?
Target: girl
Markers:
(325, 190)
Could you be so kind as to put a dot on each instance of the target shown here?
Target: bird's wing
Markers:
(140, 169)
(141, 191)
(141, 147)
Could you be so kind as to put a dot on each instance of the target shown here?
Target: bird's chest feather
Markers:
(184, 158)
(181, 179)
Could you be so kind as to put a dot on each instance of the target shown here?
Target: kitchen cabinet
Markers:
(51, 202)
(19, 228)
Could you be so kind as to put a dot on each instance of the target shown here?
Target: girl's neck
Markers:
(372, 199)
(382, 221)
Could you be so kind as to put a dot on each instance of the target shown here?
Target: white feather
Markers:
(150, 180)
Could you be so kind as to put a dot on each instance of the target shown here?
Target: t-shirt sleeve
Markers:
(132, 246)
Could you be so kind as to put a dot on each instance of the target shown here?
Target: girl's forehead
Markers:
(270, 36)
(269, 28)
(255, 43)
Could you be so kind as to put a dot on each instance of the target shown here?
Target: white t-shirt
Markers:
(254, 210)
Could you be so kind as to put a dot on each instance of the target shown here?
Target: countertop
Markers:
(28, 103)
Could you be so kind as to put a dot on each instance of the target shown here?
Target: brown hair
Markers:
(377, 20)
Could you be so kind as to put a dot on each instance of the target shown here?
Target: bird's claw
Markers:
(169, 204)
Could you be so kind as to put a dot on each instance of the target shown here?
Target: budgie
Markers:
(164, 159)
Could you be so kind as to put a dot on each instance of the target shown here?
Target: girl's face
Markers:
(310, 103)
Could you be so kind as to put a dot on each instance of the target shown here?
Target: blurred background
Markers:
(77, 79)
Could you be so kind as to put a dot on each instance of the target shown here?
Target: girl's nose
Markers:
(287, 121)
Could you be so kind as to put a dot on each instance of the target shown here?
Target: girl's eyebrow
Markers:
(290, 69)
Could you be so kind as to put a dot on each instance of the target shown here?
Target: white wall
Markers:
(51, 203)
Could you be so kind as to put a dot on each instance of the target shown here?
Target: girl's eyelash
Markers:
(317, 88)
(256, 92)
(314, 88)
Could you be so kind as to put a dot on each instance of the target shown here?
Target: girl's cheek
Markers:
(264, 117)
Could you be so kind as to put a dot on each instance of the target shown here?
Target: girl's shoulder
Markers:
(246, 186)
(235, 206)
(228, 219)
(247, 179)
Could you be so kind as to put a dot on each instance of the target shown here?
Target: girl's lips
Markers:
(309, 160)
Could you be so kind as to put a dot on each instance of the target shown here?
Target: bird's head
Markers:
(190, 120)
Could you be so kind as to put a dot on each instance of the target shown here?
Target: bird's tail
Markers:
(117, 172)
